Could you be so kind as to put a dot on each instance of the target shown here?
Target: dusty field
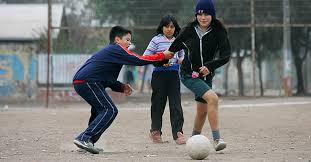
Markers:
(277, 129)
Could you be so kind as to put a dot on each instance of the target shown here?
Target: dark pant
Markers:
(103, 110)
(166, 84)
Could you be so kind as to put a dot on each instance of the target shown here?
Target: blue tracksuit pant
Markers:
(103, 110)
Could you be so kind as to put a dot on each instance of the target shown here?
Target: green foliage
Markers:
(300, 11)
(141, 14)
(71, 42)
(268, 11)
(240, 38)
(70, 45)
(233, 11)
(138, 13)
(268, 41)
(142, 38)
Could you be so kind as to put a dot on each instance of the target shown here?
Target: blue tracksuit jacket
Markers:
(105, 65)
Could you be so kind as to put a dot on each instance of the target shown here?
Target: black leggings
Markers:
(166, 84)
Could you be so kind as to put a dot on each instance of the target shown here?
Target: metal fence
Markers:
(264, 34)
(247, 21)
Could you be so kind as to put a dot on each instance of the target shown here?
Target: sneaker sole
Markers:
(221, 146)
(99, 149)
(180, 142)
(81, 146)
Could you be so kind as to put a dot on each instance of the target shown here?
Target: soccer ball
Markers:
(198, 147)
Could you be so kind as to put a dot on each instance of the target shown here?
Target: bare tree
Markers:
(301, 46)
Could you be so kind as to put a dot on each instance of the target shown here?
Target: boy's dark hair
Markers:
(118, 31)
(167, 20)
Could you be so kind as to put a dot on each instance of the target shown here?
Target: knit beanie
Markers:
(205, 6)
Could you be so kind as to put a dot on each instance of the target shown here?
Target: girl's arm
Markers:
(178, 45)
(224, 52)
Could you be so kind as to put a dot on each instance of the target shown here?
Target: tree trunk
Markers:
(260, 79)
(240, 75)
(297, 45)
(300, 84)
(226, 79)
(259, 58)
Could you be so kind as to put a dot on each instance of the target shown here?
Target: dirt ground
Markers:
(264, 129)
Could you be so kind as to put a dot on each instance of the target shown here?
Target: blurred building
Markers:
(23, 27)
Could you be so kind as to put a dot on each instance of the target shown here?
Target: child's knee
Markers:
(214, 99)
(202, 114)
(211, 97)
(116, 111)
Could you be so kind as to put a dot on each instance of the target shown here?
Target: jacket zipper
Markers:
(201, 48)
(201, 54)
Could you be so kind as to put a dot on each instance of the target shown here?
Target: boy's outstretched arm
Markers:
(126, 57)
(163, 62)
(167, 55)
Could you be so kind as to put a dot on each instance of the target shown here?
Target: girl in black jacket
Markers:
(201, 40)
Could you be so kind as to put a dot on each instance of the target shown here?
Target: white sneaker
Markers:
(220, 144)
(98, 148)
(88, 146)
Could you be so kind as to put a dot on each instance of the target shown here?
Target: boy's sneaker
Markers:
(88, 146)
(220, 144)
(155, 136)
(98, 148)
(180, 139)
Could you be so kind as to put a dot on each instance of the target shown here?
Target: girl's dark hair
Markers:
(165, 21)
(118, 31)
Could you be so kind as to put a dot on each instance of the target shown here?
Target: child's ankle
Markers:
(195, 132)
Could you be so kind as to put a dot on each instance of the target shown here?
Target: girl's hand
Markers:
(204, 70)
(128, 89)
(180, 61)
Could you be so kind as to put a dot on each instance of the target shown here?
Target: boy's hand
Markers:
(166, 65)
(127, 89)
(168, 54)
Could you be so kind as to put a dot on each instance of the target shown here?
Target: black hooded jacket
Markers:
(203, 52)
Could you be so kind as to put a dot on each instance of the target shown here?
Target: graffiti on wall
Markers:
(16, 73)
(64, 66)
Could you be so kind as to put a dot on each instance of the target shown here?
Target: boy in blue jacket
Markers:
(98, 73)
